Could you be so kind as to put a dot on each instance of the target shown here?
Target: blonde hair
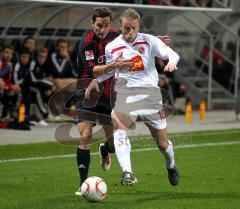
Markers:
(131, 14)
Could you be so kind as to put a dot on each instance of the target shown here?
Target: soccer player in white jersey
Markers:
(131, 58)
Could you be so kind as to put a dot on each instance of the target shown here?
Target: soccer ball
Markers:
(94, 189)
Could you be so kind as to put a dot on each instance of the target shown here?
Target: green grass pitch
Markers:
(210, 176)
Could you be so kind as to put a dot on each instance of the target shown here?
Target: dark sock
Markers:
(106, 149)
(110, 149)
(83, 161)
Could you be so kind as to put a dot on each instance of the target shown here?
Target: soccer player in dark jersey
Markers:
(91, 53)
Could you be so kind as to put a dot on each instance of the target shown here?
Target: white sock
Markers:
(169, 155)
(122, 149)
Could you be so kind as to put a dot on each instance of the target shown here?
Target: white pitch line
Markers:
(202, 133)
(135, 150)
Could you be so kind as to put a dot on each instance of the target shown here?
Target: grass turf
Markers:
(209, 177)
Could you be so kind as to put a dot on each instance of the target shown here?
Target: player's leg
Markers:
(123, 149)
(107, 147)
(104, 108)
(83, 150)
(158, 130)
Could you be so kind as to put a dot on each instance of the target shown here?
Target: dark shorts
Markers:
(95, 110)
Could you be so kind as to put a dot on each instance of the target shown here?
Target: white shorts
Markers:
(143, 108)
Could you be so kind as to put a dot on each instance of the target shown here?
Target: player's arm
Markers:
(165, 52)
(103, 69)
(118, 63)
(103, 72)
(92, 86)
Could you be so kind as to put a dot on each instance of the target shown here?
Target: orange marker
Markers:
(21, 113)
(202, 110)
(188, 112)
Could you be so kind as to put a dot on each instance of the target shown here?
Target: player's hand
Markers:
(16, 88)
(2, 83)
(170, 68)
(65, 54)
(53, 89)
(92, 86)
(123, 64)
(165, 39)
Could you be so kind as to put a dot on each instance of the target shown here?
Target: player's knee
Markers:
(85, 133)
(85, 138)
(163, 144)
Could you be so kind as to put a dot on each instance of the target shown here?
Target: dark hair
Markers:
(43, 50)
(25, 50)
(16, 44)
(61, 40)
(8, 46)
(28, 38)
(101, 12)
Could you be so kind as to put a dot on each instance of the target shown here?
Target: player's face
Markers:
(42, 57)
(8, 54)
(101, 27)
(24, 59)
(129, 28)
(30, 44)
(63, 49)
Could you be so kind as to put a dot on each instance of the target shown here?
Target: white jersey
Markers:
(142, 52)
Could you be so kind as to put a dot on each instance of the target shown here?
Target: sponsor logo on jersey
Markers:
(137, 64)
(89, 55)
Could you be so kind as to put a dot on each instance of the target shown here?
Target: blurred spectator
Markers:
(7, 88)
(60, 71)
(222, 70)
(30, 43)
(17, 46)
(50, 46)
(217, 57)
(39, 86)
(21, 71)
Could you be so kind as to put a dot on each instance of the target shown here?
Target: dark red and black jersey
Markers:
(91, 53)
(6, 73)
